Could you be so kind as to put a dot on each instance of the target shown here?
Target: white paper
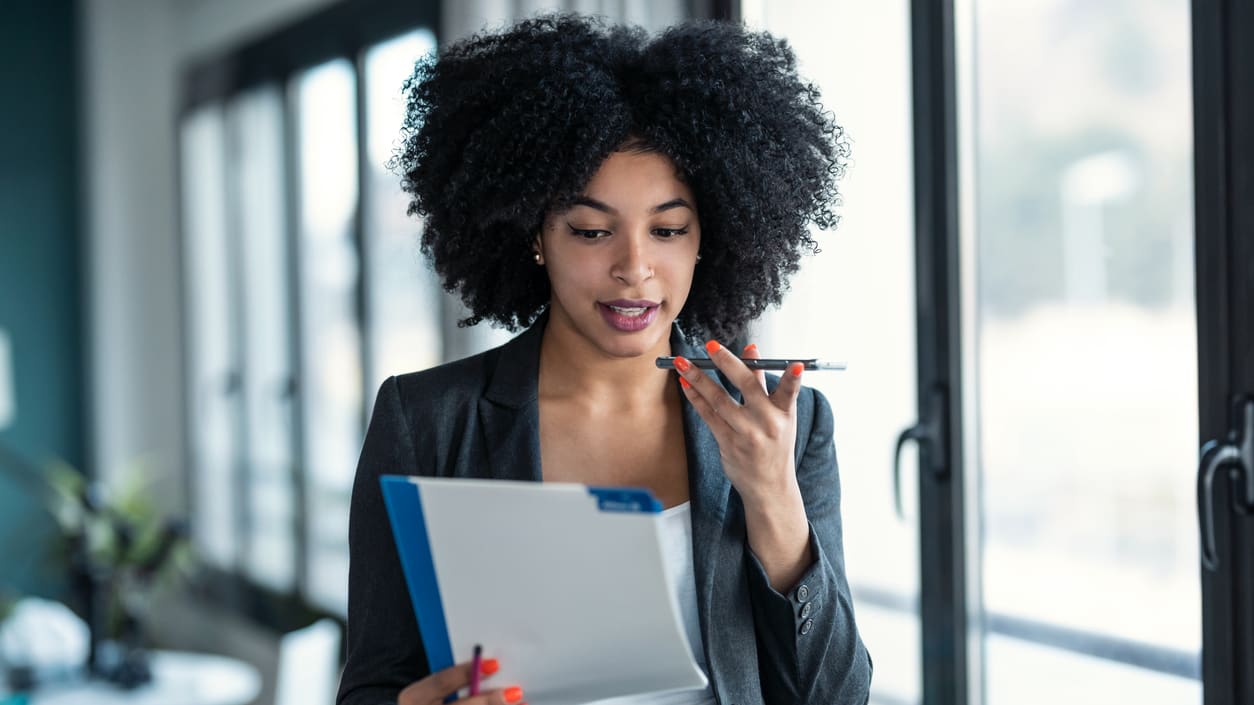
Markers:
(573, 601)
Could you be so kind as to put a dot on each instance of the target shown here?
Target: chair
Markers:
(309, 665)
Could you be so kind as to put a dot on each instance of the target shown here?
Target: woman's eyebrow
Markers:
(673, 203)
(607, 208)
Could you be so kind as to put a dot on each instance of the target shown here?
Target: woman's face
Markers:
(620, 261)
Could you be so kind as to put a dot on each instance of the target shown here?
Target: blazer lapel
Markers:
(508, 411)
(708, 492)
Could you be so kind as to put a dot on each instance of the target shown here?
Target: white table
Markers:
(178, 678)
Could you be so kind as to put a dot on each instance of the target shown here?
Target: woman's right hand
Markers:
(433, 689)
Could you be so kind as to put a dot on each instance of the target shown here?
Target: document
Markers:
(565, 584)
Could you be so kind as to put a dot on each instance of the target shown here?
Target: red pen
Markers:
(475, 664)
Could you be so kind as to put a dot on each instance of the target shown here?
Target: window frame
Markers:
(945, 588)
(1223, 69)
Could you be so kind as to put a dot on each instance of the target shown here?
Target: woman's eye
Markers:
(669, 232)
(589, 234)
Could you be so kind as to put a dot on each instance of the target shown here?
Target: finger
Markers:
(717, 425)
(744, 379)
(701, 387)
(511, 695)
(441, 684)
(450, 680)
(785, 395)
(751, 353)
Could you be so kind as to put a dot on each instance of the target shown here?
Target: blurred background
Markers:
(206, 270)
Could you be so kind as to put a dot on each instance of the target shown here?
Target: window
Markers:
(305, 288)
(269, 377)
(213, 367)
(329, 276)
(405, 296)
(1086, 392)
(1082, 406)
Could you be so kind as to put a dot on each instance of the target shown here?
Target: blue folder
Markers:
(446, 533)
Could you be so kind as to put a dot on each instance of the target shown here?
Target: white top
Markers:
(677, 547)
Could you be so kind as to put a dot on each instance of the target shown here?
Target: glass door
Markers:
(1082, 407)
(1080, 327)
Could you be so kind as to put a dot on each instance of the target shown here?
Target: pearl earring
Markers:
(537, 257)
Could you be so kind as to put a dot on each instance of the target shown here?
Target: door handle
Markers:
(1236, 454)
(929, 433)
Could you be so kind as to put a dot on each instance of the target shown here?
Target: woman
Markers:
(622, 196)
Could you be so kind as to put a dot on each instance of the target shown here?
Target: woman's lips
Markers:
(628, 315)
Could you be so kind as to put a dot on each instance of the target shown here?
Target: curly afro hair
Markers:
(504, 128)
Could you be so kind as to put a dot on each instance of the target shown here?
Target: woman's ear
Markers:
(537, 247)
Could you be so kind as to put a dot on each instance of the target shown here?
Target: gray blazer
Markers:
(478, 417)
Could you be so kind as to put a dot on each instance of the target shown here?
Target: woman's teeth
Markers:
(629, 311)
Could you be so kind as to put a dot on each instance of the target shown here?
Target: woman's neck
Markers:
(573, 369)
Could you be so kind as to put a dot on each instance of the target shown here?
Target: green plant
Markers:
(119, 539)
(7, 603)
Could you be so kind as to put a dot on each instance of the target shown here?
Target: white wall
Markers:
(129, 81)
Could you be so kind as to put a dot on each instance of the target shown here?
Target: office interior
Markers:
(1041, 283)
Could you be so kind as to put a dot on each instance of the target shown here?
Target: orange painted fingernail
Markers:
(513, 694)
(685, 383)
(796, 368)
(489, 666)
(751, 347)
(682, 364)
(713, 346)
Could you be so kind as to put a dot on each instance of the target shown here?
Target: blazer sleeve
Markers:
(809, 650)
(384, 650)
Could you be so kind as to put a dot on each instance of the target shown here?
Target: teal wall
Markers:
(41, 305)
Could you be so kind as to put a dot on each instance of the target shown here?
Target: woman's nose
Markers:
(633, 263)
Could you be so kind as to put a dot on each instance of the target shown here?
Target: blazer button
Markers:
(803, 593)
(805, 628)
(806, 610)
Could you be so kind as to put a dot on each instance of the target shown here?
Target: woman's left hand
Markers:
(757, 438)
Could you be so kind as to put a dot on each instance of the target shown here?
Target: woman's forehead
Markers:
(635, 181)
